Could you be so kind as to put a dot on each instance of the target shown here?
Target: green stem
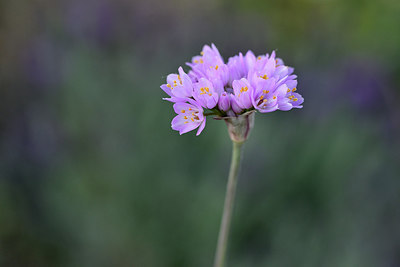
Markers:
(228, 206)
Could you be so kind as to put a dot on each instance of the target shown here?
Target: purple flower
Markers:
(190, 116)
(178, 86)
(205, 94)
(243, 91)
(224, 102)
(244, 85)
(210, 65)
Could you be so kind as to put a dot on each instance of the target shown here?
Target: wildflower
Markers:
(205, 94)
(234, 92)
(246, 83)
(190, 116)
(179, 86)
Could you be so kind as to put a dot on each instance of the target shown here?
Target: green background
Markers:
(91, 174)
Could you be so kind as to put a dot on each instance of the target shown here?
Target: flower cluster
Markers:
(213, 87)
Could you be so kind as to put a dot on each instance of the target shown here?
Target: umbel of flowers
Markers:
(232, 91)
(244, 84)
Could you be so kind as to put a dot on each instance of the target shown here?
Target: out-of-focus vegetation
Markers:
(92, 175)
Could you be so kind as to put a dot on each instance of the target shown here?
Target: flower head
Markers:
(245, 84)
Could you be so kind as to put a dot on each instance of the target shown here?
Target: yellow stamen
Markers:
(294, 89)
(186, 122)
(192, 119)
(274, 97)
(295, 99)
(265, 91)
(265, 100)
(216, 67)
(261, 97)
(185, 117)
(202, 53)
(265, 77)
(288, 90)
(183, 111)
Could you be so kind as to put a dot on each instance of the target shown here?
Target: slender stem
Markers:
(228, 206)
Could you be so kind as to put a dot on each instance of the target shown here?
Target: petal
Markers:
(267, 109)
(166, 89)
(175, 99)
(178, 124)
(284, 104)
(202, 125)
(179, 107)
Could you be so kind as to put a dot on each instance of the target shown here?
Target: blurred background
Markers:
(91, 173)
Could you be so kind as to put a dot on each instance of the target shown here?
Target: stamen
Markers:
(295, 99)
(202, 53)
(265, 77)
(261, 97)
(274, 97)
(216, 67)
(294, 89)
(185, 117)
(192, 119)
(183, 111)
(265, 91)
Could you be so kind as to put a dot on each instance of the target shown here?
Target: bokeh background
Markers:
(91, 173)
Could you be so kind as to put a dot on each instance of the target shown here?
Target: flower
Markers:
(190, 116)
(179, 86)
(245, 84)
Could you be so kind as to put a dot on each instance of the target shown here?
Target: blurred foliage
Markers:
(92, 175)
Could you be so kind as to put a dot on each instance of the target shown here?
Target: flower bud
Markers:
(224, 102)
